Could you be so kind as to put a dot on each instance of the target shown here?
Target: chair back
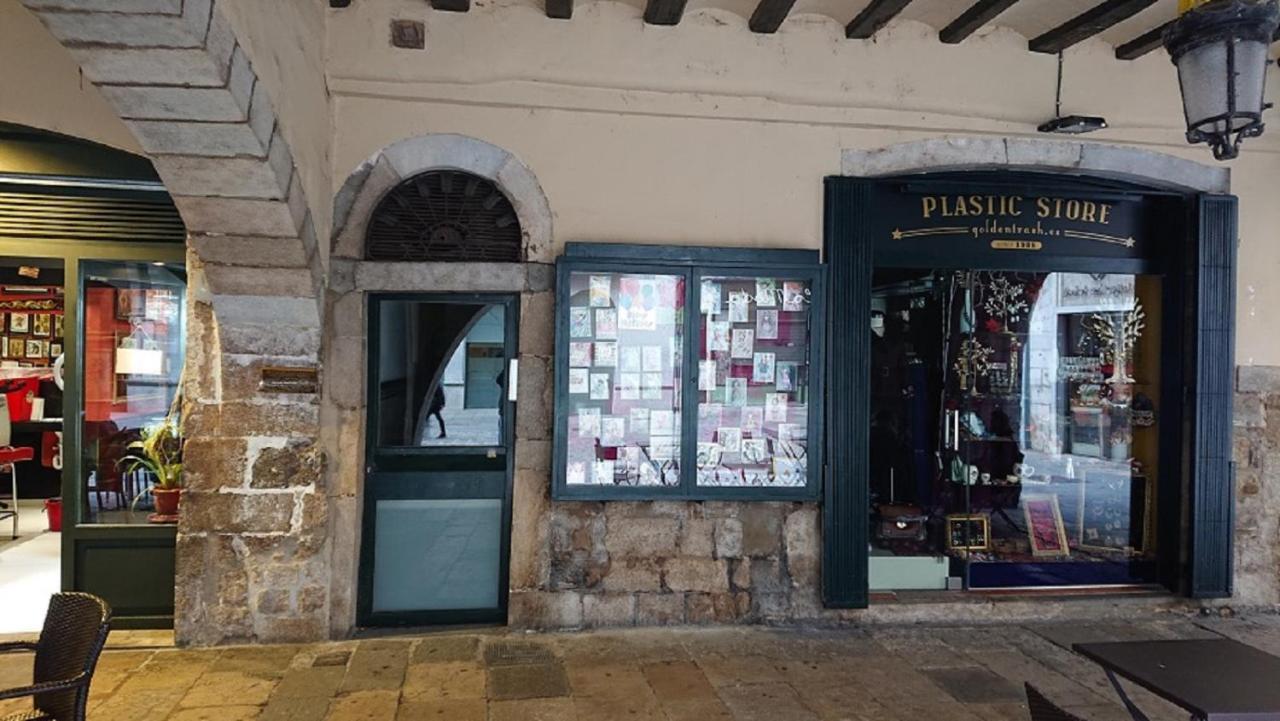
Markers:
(75, 630)
(1042, 709)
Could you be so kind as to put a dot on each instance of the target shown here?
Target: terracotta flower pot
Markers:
(167, 501)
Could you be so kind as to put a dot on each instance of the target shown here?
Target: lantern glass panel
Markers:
(1251, 75)
(1203, 73)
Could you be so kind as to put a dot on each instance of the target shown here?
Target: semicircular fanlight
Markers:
(444, 216)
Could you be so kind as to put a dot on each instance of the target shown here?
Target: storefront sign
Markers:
(915, 220)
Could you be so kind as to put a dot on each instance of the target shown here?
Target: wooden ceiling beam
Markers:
(560, 9)
(453, 6)
(1087, 24)
(769, 14)
(873, 17)
(972, 20)
(1143, 44)
(664, 12)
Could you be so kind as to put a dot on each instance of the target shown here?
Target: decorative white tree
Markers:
(1116, 335)
(1005, 300)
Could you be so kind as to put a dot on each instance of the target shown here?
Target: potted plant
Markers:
(159, 453)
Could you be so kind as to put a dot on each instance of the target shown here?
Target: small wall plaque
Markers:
(277, 379)
(408, 34)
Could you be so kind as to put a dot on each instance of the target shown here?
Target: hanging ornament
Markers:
(1005, 300)
(1116, 336)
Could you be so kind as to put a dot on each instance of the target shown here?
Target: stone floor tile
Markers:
(1001, 711)
(319, 682)
(608, 681)
(143, 705)
(364, 706)
(264, 661)
(218, 713)
(678, 681)
(1019, 668)
(705, 709)
(534, 709)
(634, 645)
(765, 702)
(313, 708)
(228, 688)
(462, 709)
(731, 670)
(434, 649)
(975, 684)
(377, 665)
(542, 680)
(434, 681)
(600, 708)
(122, 661)
(501, 651)
(841, 700)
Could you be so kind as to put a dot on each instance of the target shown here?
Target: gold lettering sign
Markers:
(1017, 244)
(289, 380)
(1015, 206)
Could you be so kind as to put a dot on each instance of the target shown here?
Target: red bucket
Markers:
(53, 507)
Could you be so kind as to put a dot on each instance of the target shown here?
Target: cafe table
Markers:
(1213, 679)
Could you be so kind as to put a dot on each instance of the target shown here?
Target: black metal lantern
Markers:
(1221, 51)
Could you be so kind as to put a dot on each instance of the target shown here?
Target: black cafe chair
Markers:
(1042, 709)
(75, 630)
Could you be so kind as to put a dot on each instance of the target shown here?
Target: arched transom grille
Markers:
(444, 216)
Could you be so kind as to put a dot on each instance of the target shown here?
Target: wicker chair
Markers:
(1042, 709)
(75, 630)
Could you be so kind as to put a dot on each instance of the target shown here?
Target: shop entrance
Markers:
(437, 504)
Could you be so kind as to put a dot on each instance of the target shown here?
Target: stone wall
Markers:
(672, 562)
(1257, 459)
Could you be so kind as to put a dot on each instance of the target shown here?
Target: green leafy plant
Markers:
(159, 453)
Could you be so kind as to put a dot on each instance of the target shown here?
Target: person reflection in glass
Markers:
(437, 405)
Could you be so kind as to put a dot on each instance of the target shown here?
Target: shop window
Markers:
(655, 400)
(444, 216)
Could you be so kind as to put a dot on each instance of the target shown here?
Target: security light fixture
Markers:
(1070, 124)
(1220, 48)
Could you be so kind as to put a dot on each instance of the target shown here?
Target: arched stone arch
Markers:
(250, 560)
(404, 159)
(1110, 161)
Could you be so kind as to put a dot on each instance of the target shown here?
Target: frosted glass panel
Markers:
(437, 554)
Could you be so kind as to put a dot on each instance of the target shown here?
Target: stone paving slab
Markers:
(881, 673)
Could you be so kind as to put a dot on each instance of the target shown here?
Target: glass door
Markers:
(1014, 429)
(437, 488)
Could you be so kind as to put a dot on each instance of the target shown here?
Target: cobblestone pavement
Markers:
(912, 673)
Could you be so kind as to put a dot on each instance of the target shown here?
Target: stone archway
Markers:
(1095, 159)
(250, 561)
(351, 278)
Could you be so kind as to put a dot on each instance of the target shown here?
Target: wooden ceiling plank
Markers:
(664, 12)
(1087, 24)
(1151, 40)
(560, 9)
(453, 6)
(769, 14)
(873, 17)
(972, 20)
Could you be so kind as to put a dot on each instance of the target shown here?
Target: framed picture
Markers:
(131, 303)
(1045, 530)
(19, 322)
(968, 532)
(1113, 512)
(36, 349)
(42, 325)
(55, 350)
(57, 326)
(16, 348)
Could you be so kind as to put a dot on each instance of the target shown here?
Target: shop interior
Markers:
(1014, 429)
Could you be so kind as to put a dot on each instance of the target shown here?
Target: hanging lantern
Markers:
(1221, 50)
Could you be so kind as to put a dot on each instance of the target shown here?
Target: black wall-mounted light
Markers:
(1220, 48)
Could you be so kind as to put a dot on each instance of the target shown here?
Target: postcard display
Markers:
(623, 401)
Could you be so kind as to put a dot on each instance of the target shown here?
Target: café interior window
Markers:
(694, 382)
(1014, 428)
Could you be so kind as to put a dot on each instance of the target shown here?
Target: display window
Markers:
(630, 353)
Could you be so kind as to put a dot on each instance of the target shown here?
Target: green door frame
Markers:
(436, 472)
(76, 535)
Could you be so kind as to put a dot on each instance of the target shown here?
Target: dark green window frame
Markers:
(692, 264)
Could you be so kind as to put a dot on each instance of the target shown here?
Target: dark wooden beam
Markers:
(560, 9)
(453, 6)
(1143, 44)
(1088, 24)
(873, 17)
(339, 3)
(664, 12)
(981, 13)
(769, 15)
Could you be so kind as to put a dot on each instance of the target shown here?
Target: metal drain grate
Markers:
(334, 658)
(515, 653)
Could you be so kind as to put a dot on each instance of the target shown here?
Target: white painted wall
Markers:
(40, 85)
(706, 133)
